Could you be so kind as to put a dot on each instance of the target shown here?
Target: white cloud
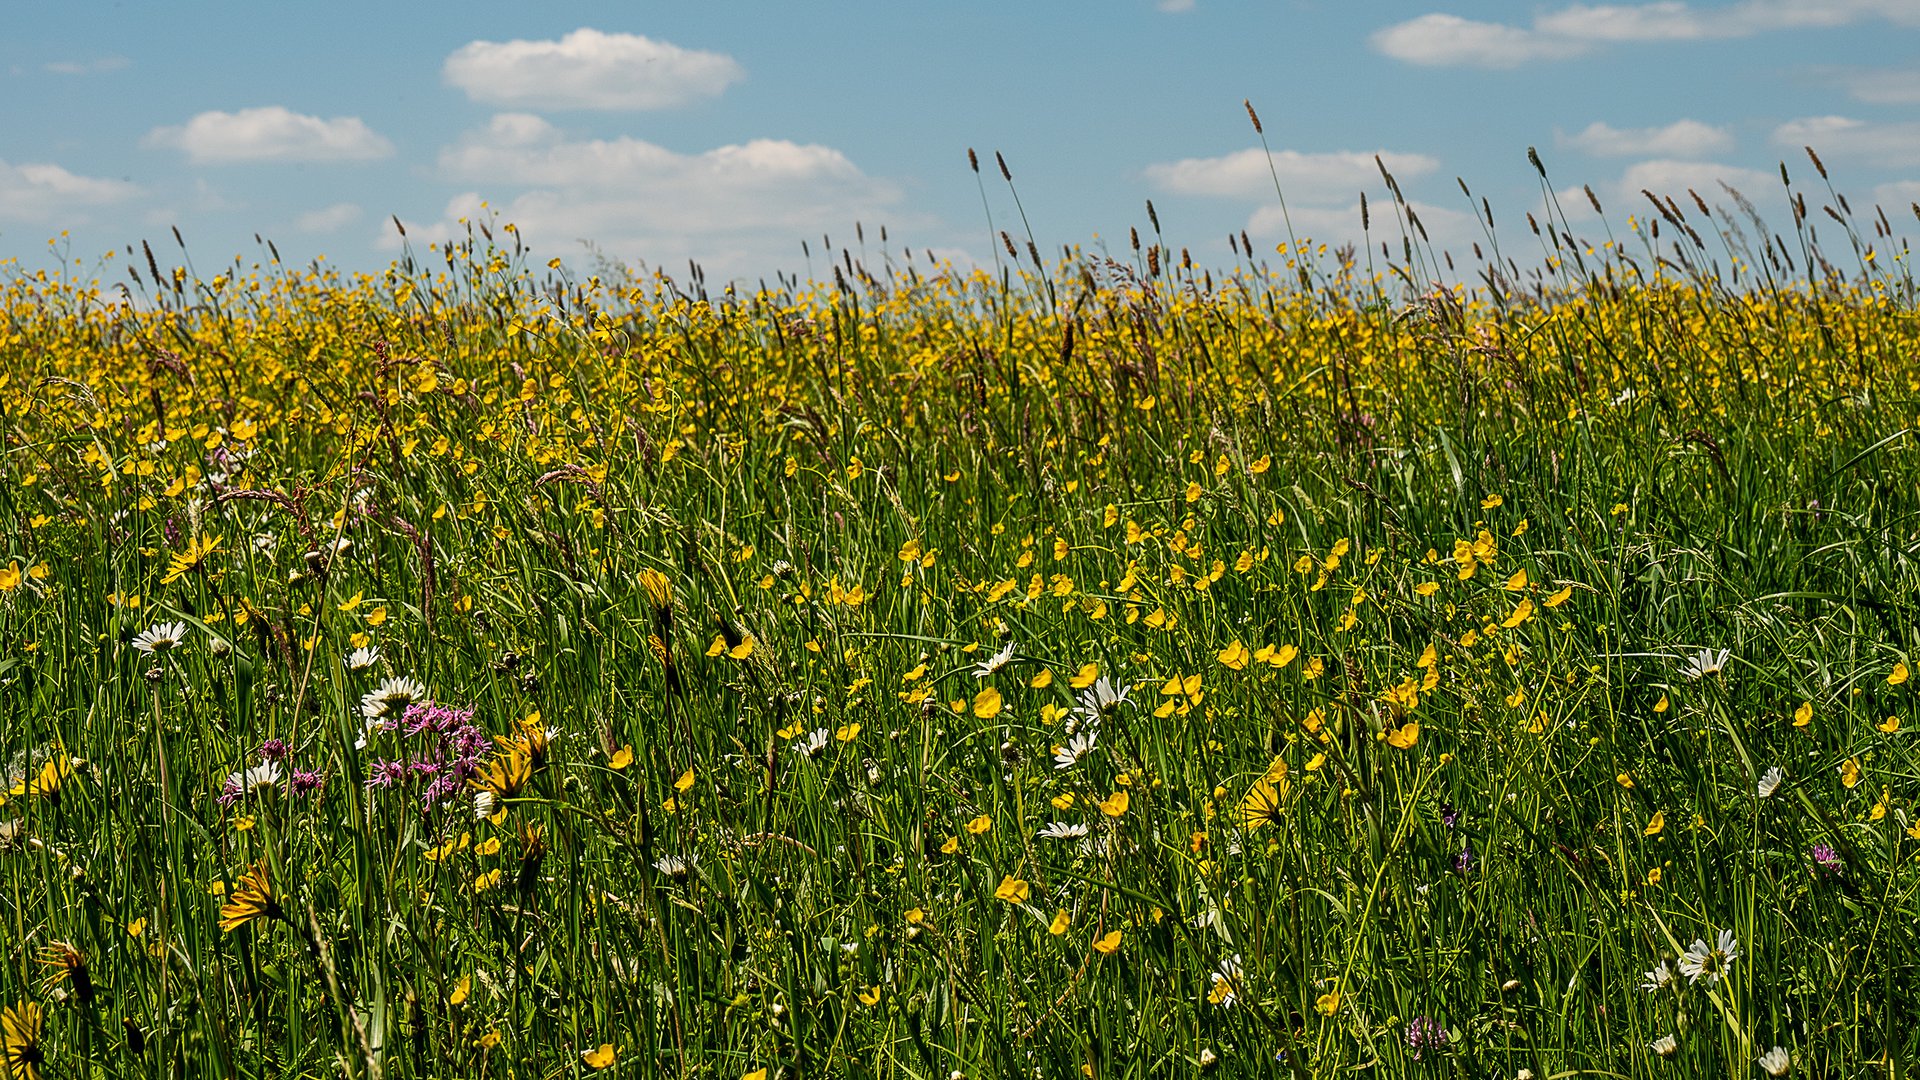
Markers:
(328, 218)
(1895, 144)
(1440, 39)
(272, 133)
(737, 208)
(88, 67)
(48, 194)
(1681, 139)
(1446, 228)
(1897, 194)
(1672, 178)
(1882, 86)
(588, 69)
(1245, 173)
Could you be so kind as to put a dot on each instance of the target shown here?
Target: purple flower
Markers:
(1448, 815)
(1824, 859)
(441, 752)
(1463, 862)
(305, 782)
(275, 750)
(1423, 1033)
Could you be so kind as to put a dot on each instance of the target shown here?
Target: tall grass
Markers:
(1402, 571)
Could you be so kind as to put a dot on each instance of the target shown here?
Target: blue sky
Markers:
(729, 133)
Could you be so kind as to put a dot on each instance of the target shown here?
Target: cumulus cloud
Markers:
(43, 193)
(736, 208)
(1322, 192)
(271, 134)
(588, 69)
(1440, 39)
(1895, 144)
(1680, 139)
(1245, 173)
(1674, 178)
(328, 218)
(1446, 228)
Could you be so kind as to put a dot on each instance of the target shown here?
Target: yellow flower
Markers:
(252, 899)
(1404, 736)
(987, 703)
(505, 774)
(1521, 613)
(10, 577)
(846, 732)
(980, 824)
(951, 845)
(622, 758)
(1109, 944)
(1625, 780)
(1234, 656)
(1328, 1003)
(1012, 890)
(870, 996)
(685, 781)
(1517, 582)
(1490, 502)
(1890, 725)
(600, 1058)
(1850, 772)
(1898, 675)
(1115, 804)
(1655, 823)
(1803, 715)
(1558, 598)
(20, 1048)
(658, 588)
(1262, 804)
(1426, 588)
(1061, 920)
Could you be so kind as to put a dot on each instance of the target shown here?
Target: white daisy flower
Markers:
(1777, 1062)
(674, 866)
(1066, 757)
(161, 637)
(241, 784)
(994, 663)
(1226, 981)
(1660, 976)
(1666, 1046)
(1096, 702)
(362, 658)
(1702, 961)
(482, 805)
(391, 698)
(811, 744)
(1706, 662)
(1064, 830)
(1770, 783)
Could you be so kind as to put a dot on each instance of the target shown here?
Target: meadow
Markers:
(1344, 662)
